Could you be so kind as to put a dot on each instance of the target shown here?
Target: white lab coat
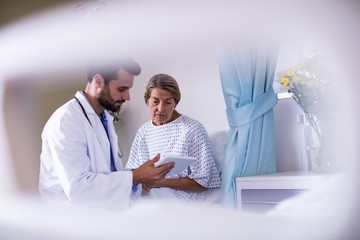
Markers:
(75, 159)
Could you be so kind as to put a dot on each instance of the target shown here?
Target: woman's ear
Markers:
(99, 81)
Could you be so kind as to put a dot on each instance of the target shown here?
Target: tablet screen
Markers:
(181, 163)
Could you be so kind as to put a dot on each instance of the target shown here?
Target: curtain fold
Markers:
(247, 77)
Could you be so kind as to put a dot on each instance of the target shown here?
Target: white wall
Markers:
(290, 154)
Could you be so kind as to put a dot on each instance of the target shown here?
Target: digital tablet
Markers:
(181, 163)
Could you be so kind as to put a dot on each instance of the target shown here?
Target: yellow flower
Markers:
(284, 81)
(290, 73)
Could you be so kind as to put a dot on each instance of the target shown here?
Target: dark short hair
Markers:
(165, 82)
(109, 70)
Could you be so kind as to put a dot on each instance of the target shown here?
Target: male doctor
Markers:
(80, 160)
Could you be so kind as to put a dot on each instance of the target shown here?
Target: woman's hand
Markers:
(145, 190)
(184, 184)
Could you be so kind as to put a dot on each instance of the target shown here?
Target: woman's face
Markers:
(161, 105)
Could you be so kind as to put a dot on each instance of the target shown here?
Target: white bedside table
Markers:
(261, 193)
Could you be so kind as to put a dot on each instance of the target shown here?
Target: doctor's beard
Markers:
(108, 102)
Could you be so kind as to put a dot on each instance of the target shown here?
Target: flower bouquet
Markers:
(305, 84)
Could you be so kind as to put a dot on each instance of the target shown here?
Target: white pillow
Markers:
(218, 140)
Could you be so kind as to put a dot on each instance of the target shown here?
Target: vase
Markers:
(317, 157)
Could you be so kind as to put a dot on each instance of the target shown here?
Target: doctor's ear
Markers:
(98, 80)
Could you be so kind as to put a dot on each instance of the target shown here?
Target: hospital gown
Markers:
(182, 137)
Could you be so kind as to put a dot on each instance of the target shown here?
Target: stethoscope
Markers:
(82, 107)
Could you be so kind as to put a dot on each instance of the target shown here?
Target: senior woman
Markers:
(170, 133)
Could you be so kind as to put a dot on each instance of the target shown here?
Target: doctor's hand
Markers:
(147, 173)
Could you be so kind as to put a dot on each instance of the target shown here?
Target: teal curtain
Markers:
(247, 77)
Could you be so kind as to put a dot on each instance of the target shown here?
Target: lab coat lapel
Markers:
(97, 129)
(100, 132)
